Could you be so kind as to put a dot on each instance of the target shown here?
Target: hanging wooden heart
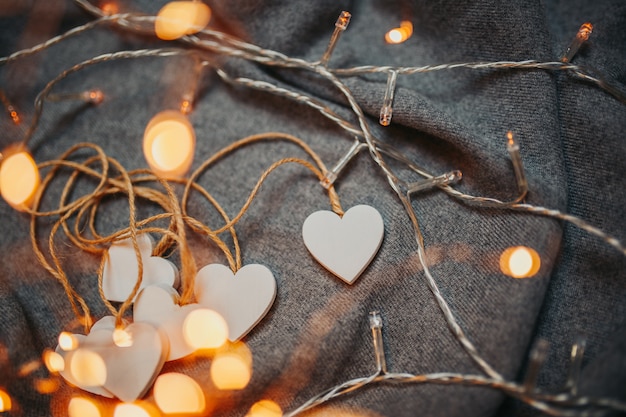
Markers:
(344, 245)
(69, 377)
(128, 371)
(158, 306)
(121, 269)
(242, 299)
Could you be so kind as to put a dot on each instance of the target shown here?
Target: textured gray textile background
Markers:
(316, 334)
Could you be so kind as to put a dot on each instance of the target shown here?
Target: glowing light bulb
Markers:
(54, 362)
(94, 96)
(168, 144)
(520, 262)
(109, 7)
(232, 368)
(122, 338)
(340, 26)
(5, 401)
(19, 178)
(265, 408)
(400, 34)
(205, 329)
(386, 110)
(82, 407)
(88, 368)
(13, 114)
(180, 18)
(176, 393)
(136, 409)
(67, 341)
(581, 37)
(518, 166)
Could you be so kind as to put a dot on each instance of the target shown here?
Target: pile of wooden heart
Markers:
(345, 246)
(156, 334)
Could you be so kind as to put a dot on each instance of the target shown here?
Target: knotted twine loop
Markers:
(83, 210)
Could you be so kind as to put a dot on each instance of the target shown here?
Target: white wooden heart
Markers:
(121, 268)
(242, 299)
(344, 245)
(130, 371)
(67, 375)
(158, 306)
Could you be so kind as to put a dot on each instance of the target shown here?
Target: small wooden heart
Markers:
(158, 306)
(69, 377)
(121, 269)
(242, 299)
(344, 245)
(129, 371)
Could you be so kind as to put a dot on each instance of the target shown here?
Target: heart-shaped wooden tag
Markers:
(242, 299)
(128, 371)
(158, 306)
(69, 377)
(344, 245)
(121, 269)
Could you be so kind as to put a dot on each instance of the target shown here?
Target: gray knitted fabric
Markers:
(316, 335)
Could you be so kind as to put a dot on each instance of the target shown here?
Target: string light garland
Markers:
(113, 180)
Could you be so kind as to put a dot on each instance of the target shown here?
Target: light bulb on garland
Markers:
(168, 144)
(180, 18)
(581, 37)
(109, 7)
(19, 177)
(13, 114)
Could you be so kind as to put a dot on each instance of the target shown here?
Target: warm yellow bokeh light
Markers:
(87, 368)
(176, 393)
(67, 341)
(394, 36)
(19, 179)
(5, 401)
(265, 408)
(205, 329)
(168, 144)
(47, 386)
(400, 34)
(232, 367)
(230, 372)
(137, 409)
(180, 18)
(82, 407)
(122, 338)
(520, 262)
(54, 361)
